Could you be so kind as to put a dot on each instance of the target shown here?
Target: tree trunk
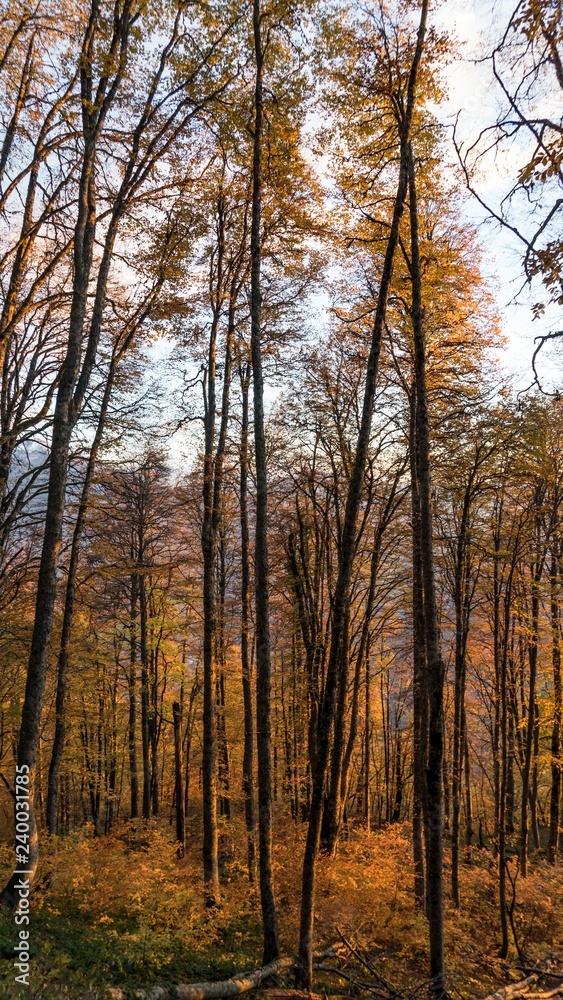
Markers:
(555, 793)
(362, 660)
(367, 747)
(145, 698)
(468, 799)
(462, 610)
(334, 802)
(178, 784)
(154, 725)
(132, 725)
(396, 815)
(536, 573)
(261, 582)
(434, 667)
(111, 754)
(534, 783)
(188, 738)
(209, 552)
(510, 785)
(502, 789)
(420, 700)
(223, 749)
(248, 753)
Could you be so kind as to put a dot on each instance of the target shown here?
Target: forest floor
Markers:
(125, 911)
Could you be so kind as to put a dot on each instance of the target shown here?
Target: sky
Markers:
(473, 99)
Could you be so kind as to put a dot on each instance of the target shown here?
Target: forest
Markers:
(281, 529)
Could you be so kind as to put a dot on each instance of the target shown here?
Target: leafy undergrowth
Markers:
(126, 911)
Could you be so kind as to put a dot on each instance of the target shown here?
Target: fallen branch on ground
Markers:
(241, 983)
(549, 974)
(545, 996)
(515, 989)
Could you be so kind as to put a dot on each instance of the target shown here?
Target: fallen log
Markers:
(241, 983)
(515, 989)
(548, 973)
(545, 996)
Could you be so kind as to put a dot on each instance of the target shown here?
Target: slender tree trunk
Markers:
(534, 784)
(502, 791)
(496, 697)
(223, 748)
(218, 544)
(367, 747)
(132, 726)
(111, 763)
(462, 596)
(261, 573)
(468, 799)
(502, 634)
(154, 727)
(209, 552)
(386, 733)
(420, 700)
(510, 787)
(459, 711)
(248, 753)
(536, 573)
(434, 666)
(222, 744)
(396, 815)
(297, 728)
(555, 793)
(446, 786)
(145, 697)
(334, 803)
(178, 784)
(188, 738)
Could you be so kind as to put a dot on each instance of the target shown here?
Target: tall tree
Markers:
(261, 571)
(434, 669)
(340, 608)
